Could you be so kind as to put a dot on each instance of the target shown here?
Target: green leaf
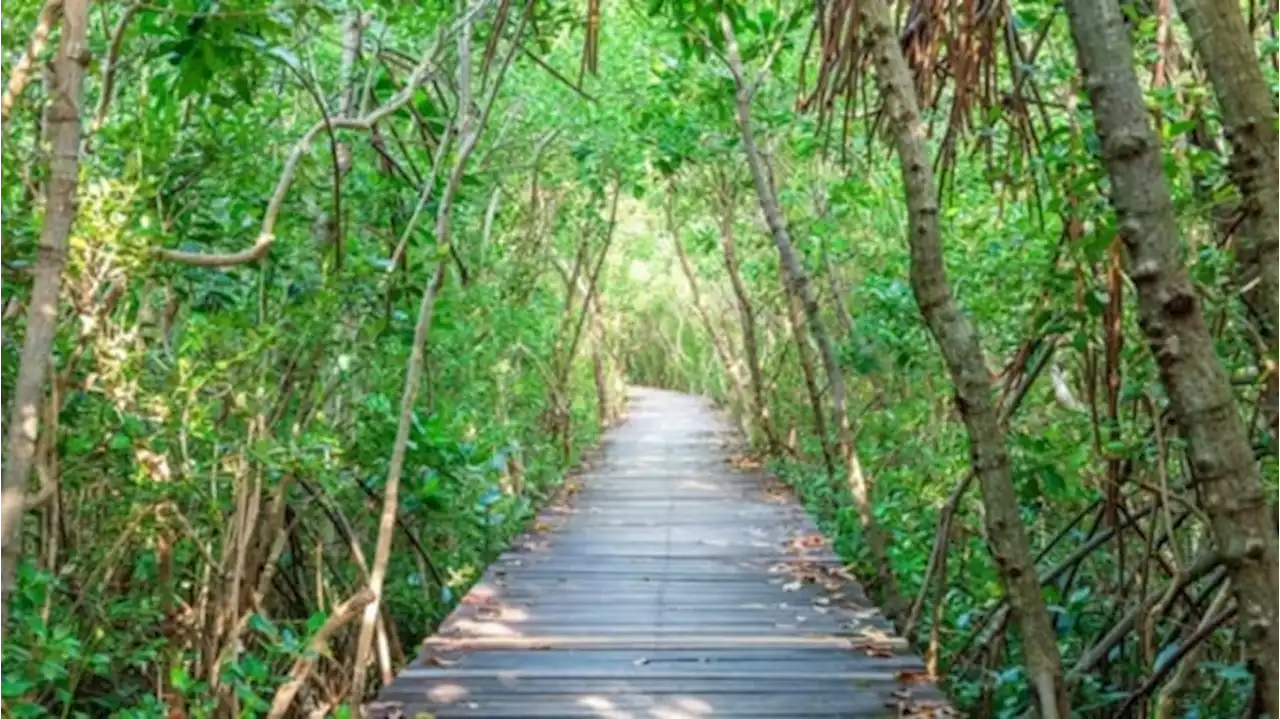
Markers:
(316, 621)
(14, 687)
(262, 625)
(179, 678)
(287, 56)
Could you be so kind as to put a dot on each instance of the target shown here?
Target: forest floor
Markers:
(678, 584)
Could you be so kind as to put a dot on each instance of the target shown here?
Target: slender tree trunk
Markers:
(810, 375)
(63, 123)
(1224, 44)
(798, 281)
(961, 347)
(352, 38)
(471, 124)
(746, 316)
(391, 491)
(21, 72)
(1226, 476)
(598, 367)
(718, 344)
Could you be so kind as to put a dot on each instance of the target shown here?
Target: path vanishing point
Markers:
(667, 585)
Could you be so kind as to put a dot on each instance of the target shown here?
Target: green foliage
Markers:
(196, 406)
(186, 390)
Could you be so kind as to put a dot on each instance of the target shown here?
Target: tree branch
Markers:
(266, 235)
(344, 613)
(21, 74)
(111, 65)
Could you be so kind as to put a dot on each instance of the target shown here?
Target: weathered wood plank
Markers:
(675, 587)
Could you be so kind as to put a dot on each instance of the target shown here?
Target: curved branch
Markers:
(111, 65)
(421, 74)
(1151, 606)
(1204, 631)
(305, 663)
(22, 68)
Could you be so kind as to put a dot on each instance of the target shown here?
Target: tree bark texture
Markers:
(1225, 46)
(747, 318)
(810, 376)
(63, 120)
(1225, 475)
(800, 286)
(961, 347)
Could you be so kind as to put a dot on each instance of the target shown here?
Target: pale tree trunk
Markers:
(352, 39)
(21, 73)
(796, 322)
(798, 282)
(599, 365)
(564, 363)
(1225, 474)
(838, 291)
(1225, 47)
(470, 126)
(746, 313)
(718, 344)
(63, 123)
(599, 351)
(961, 347)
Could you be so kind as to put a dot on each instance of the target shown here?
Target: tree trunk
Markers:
(469, 129)
(718, 344)
(810, 376)
(798, 282)
(746, 317)
(21, 73)
(1225, 47)
(42, 312)
(961, 347)
(1227, 478)
(598, 368)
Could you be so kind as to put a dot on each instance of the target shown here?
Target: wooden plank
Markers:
(676, 587)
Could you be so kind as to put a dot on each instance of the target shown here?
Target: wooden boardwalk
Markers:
(671, 586)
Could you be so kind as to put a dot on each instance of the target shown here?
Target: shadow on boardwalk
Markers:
(674, 588)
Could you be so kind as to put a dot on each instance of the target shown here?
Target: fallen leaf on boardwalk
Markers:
(913, 676)
(641, 661)
(871, 649)
(821, 601)
(438, 662)
(808, 541)
(900, 694)
(791, 586)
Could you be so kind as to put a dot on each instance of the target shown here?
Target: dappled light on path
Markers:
(679, 584)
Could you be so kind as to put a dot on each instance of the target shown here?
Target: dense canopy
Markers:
(309, 305)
